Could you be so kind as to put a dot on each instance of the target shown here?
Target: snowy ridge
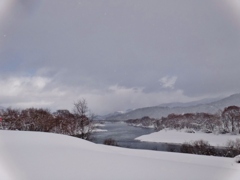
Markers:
(179, 108)
(38, 156)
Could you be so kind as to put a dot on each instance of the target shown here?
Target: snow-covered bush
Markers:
(237, 159)
(233, 147)
(189, 131)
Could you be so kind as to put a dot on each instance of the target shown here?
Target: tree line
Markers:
(78, 123)
(225, 121)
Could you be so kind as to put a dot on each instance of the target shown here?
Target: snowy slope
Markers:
(179, 108)
(43, 156)
(179, 137)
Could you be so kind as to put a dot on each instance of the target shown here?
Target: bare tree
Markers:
(80, 107)
(30, 119)
(84, 125)
(211, 122)
(61, 121)
(64, 122)
(10, 119)
(231, 118)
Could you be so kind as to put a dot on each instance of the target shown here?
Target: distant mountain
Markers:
(228, 101)
(179, 108)
(192, 103)
(117, 113)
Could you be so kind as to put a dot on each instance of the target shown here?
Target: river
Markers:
(125, 135)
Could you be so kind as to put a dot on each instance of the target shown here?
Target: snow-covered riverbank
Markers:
(179, 137)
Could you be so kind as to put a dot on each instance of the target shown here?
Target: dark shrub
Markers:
(187, 148)
(110, 142)
(203, 147)
(198, 147)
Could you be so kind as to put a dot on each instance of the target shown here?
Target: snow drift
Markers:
(38, 156)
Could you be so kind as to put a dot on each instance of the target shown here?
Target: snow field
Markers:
(38, 156)
(179, 137)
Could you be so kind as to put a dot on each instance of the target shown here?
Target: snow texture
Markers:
(179, 137)
(99, 130)
(38, 156)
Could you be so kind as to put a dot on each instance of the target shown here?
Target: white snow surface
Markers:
(45, 156)
(140, 125)
(179, 137)
(97, 127)
(99, 130)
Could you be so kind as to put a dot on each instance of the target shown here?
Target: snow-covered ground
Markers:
(45, 156)
(179, 137)
(140, 125)
(99, 125)
(97, 129)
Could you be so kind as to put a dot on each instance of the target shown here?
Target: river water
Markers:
(125, 135)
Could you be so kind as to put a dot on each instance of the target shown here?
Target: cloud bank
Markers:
(117, 54)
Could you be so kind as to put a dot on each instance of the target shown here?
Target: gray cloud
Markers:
(85, 48)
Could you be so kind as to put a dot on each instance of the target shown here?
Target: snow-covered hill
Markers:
(38, 156)
(179, 108)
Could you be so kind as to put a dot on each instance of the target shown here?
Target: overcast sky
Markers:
(117, 54)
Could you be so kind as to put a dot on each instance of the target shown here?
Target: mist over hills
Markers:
(214, 106)
(206, 105)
